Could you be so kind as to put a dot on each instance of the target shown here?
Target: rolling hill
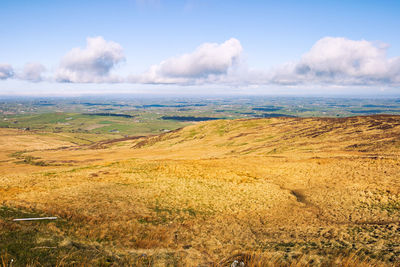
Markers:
(277, 190)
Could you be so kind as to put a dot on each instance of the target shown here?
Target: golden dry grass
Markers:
(299, 191)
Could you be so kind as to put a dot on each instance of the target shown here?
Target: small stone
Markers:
(236, 263)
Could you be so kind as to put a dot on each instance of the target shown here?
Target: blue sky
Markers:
(266, 46)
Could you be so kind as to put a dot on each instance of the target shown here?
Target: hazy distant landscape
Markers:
(118, 116)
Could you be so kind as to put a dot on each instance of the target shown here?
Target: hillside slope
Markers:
(278, 135)
(288, 186)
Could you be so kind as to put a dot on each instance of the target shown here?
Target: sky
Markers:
(200, 47)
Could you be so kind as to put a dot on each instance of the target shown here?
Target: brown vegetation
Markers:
(279, 190)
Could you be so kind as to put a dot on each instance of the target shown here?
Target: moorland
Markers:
(309, 186)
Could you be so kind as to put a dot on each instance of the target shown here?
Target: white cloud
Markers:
(32, 72)
(343, 62)
(91, 64)
(208, 63)
(6, 71)
(332, 61)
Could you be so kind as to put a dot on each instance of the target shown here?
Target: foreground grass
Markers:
(37, 243)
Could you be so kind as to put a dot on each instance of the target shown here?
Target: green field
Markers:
(88, 119)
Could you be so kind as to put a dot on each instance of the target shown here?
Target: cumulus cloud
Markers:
(332, 61)
(91, 64)
(6, 71)
(209, 62)
(32, 72)
(343, 62)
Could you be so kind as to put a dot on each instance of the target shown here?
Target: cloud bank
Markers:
(340, 61)
(6, 71)
(91, 64)
(331, 61)
(207, 63)
(32, 72)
